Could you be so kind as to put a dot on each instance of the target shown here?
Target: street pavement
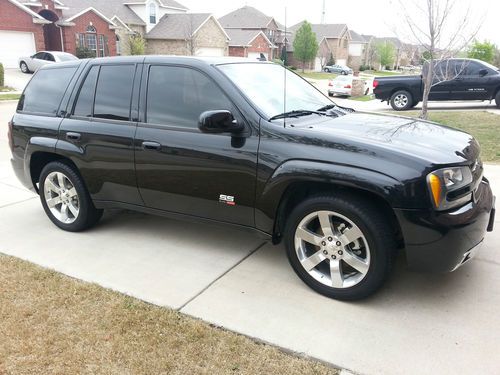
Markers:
(417, 324)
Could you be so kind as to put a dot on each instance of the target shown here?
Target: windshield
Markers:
(264, 85)
(492, 67)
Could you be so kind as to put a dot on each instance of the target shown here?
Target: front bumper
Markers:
(443, 241)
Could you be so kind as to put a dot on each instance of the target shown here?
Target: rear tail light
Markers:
(330, 83)
(9, 136)
(347, 86)
(375, 83)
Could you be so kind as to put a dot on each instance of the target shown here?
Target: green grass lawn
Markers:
(380, 73)
(484, 126)
(9, 96)
(316, 75)
(364, 98)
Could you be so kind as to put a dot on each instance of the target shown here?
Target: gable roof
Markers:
(332, 30)
(397, 43)
(33, 14)
(244, 38)
(245, 18)
(109, 8)
(180, 26)
(357, 38)
(172, 4)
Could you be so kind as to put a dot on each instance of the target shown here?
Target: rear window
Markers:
(46, 90)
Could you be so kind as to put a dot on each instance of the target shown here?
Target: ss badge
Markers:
(227, 199)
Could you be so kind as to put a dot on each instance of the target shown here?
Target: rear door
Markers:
(98, 133)
(179, 168)
(446, 74)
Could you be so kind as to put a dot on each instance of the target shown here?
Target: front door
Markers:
(179, 168)
(471, 85)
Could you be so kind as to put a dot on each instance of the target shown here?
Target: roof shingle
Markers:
(109, 8)
(245, 18)
(178, 26)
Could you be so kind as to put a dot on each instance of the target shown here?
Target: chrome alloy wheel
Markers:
(401, 101)
(61, 197)
(332, 249)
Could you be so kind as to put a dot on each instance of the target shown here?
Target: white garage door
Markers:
(15, 44)
(317, 64)
(210, 51)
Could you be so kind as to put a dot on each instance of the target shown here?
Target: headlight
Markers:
(454, 180)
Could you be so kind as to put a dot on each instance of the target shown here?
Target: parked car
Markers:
(341, 69)
(209, 140)
(29, 64)
(342, 85)
(455, 79)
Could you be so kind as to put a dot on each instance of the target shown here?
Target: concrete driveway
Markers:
(16, 79)
(418, 324)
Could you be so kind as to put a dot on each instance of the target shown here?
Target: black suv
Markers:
(215, 140)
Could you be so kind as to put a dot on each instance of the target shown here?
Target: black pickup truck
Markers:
(455, 79)
(209, 140)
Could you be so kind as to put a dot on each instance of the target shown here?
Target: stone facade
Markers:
(209, 35)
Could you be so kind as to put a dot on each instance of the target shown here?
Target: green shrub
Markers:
(2, 78)
(278, 61)
(84, 53)
(137, 45)
(293, 68)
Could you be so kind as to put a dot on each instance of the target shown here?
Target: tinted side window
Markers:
(177, 96)
(114, 91)
(49, 57)
(39, 55)
(85, 101)
(473, 68)
(46, 90)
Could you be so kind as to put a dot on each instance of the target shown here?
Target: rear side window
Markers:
(85, 101)
(177, 96)
(114, 91)
(46, 90)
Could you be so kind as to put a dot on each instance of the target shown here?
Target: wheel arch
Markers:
(295, 180)
(39, 159)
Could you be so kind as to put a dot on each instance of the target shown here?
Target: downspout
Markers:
(61, 35)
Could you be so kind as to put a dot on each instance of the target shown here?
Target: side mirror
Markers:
(483, 72)
(219, 121)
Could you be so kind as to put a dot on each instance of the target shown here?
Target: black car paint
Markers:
(384, 157)
(462, 87)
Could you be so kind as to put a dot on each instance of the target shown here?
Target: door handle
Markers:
(70, 136)
(151, 146)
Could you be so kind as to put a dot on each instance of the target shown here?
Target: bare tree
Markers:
(443, 27)
(190, 37)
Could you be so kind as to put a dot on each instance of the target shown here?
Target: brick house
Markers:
(196, 34)
(33, 25)
(249, 43)
(246, 23)
(333, 41)
(357, 50)
(103, 26)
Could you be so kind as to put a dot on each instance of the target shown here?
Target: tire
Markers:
(24, 67)
(497, 99)
(327, 70)
(401, 100)
(343, 72)
(414, 104)
(75, 211)
(373, 246)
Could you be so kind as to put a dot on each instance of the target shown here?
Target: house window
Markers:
(152, 13)
(345, 43)
(102, 43)
(91, 29)
(118, 46)
(92, 43)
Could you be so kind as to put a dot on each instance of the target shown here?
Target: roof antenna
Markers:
(284, 77)
(323, 12)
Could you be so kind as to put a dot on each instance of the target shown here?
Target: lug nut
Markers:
(330, 239)
(334, 257)
(340, 252)
(323, 243)
(338, 243)
(325, 252)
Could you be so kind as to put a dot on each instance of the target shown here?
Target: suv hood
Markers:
(411, 137)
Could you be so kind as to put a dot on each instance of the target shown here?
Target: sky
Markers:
(376, 17)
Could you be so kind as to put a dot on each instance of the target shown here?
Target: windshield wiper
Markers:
(297, 113)
(327, 107)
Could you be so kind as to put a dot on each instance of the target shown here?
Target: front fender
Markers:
(293, 171)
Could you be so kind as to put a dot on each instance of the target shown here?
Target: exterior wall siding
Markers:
(210, 35)
(260, 45)
(237, 51)
(166, 47)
